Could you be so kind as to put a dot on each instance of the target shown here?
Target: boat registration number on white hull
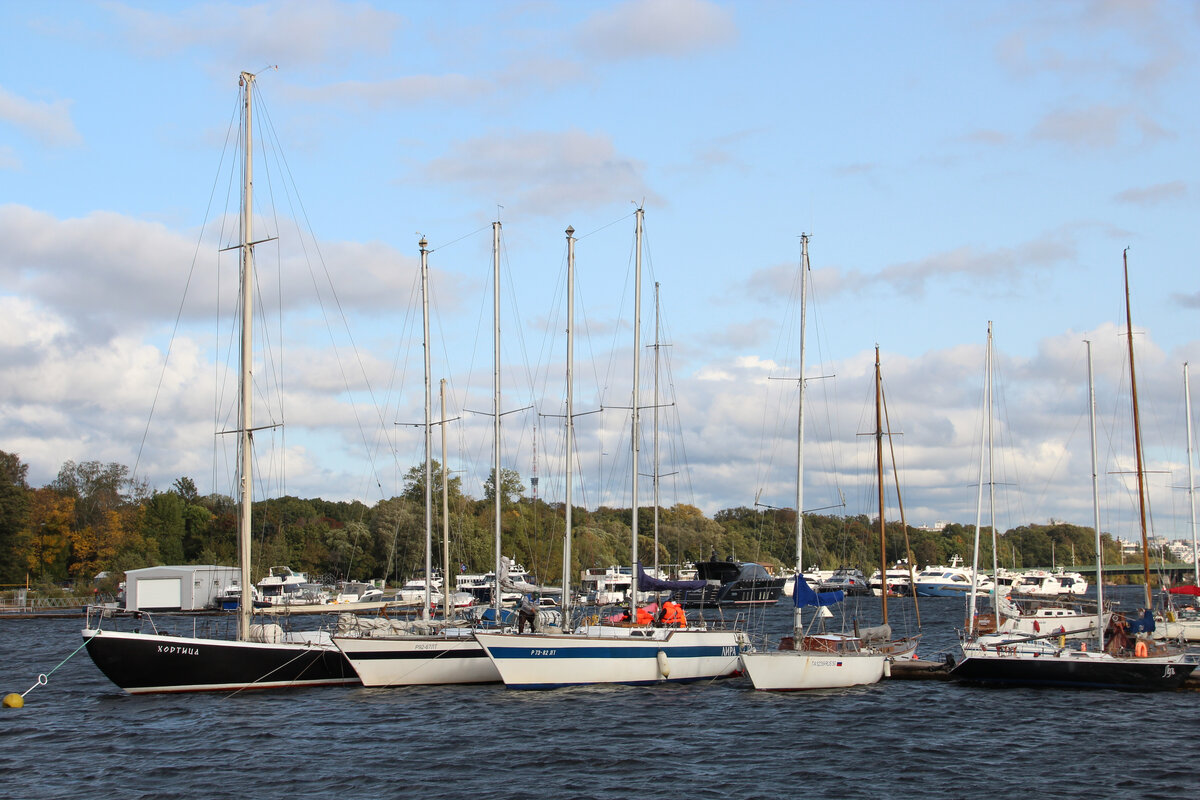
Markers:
(535, 653)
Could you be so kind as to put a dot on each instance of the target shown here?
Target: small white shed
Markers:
(183, 588)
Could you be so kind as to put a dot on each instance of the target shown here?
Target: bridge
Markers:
(1177, 572)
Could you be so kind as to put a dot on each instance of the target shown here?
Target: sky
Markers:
(954, 164)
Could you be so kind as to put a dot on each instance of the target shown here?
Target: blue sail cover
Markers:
(1143, 625)
(805, 596)
(645, 583)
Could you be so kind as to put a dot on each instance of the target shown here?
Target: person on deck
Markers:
(672, 615)
(526, 612)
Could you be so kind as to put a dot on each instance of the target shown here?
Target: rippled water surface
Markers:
(81, 737)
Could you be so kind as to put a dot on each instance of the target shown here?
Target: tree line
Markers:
(96, 519)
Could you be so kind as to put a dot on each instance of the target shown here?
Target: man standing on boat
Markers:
(526, 612)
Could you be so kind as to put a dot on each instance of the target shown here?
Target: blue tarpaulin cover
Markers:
(805, 596)
(645, 583)
(1143, 625)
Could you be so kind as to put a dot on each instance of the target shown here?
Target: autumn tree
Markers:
(51, 517)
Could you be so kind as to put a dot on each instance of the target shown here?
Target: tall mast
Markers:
(991, 432)
(447, 606)
(496, 403)
(637, 346)
(1137, 438)
(987, 410)
(570, 432)
(428, 433)
(879, 479)
(245, 393)
(1096, 505)
(1187, 403)
(798, 617)
(656, 324)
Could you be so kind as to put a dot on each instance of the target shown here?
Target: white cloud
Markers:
(109, 271)
(304, 33)
(544, 172)
(49, 123)
(649, 28)
(1150, 196)
(398, 92)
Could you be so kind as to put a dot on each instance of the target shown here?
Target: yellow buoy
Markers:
(14, 700)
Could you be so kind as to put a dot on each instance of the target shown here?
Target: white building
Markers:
(185, 588)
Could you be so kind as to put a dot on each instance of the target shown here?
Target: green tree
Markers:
(164, 522)
(97, 489)
(14, 513)
(414, 485)
(511, 487)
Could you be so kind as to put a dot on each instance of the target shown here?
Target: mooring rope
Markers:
(44, 677)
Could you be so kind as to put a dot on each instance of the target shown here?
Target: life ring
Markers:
(1140, 650)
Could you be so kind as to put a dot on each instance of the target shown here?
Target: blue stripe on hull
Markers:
(649, 651)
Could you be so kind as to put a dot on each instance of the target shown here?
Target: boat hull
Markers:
(737, 593)
(418, 660)
(1082, 670)
(603, 654)
(799, 670)
(141, 663)
(1187, 630)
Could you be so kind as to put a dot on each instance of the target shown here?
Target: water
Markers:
(81, 737)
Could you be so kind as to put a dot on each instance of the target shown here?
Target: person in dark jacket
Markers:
(526, 612)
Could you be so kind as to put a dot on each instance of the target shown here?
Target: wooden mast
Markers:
(1137, 438)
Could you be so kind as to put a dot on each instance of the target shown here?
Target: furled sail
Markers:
(507, 584)
(647, 583)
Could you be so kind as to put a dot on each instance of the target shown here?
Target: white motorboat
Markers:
(953, 580)
(899, 580)
(1042, 583)
(606, 586)
(283, 586)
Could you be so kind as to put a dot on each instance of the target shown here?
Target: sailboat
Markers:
(1185, 624)
(811, 662)
(1041, 661)
(602, 652)
(261, 656)
(880, 637)
(388, 652)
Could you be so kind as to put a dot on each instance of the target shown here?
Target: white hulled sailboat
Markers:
(608, 653)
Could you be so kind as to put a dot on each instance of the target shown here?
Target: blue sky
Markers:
(954, 163)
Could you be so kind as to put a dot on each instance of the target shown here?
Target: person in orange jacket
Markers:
(644, 617)
(672, 615)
